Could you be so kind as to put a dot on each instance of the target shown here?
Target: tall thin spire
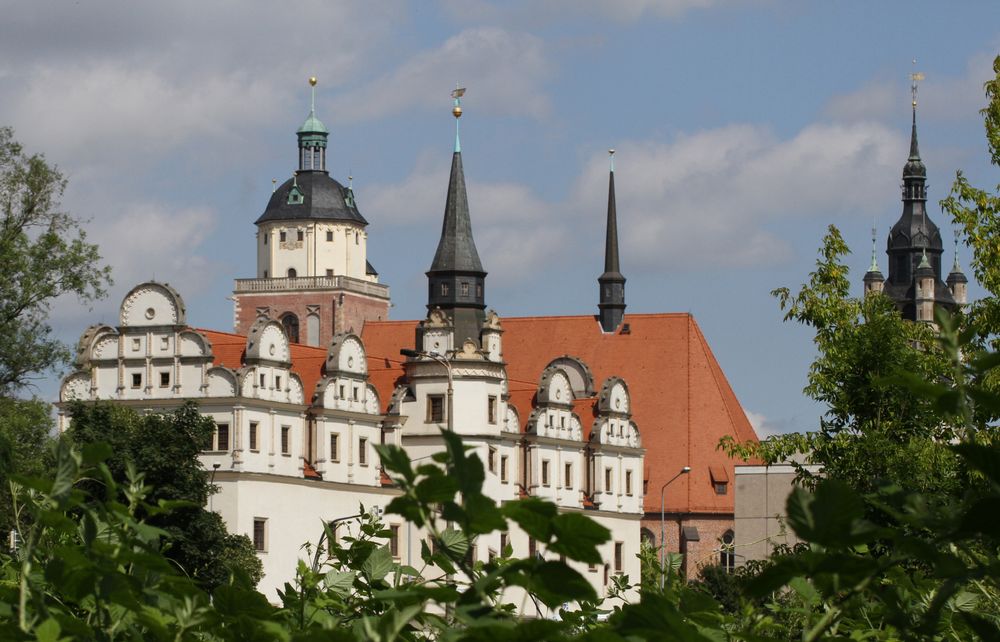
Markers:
(874, 265)
(456, 111)
(611, 283)
(915, 78)
(456, 278)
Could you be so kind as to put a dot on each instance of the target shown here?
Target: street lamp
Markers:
(447, 365)
(663, 530)
(211, 482)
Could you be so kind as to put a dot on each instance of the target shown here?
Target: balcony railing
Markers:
(350, 284)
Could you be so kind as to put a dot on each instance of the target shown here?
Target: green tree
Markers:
(45, 254)
(977, 212)
(874, 429)
(165, 449)
(24, 447)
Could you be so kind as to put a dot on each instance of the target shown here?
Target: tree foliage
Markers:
(45, 254)
(166, 448)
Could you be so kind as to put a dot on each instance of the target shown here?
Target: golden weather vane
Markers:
(915, 78)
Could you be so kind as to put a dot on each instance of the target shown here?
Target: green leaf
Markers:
(556, 583)
(48, 631)
(578, 536)
(533, 515)
(378, 564)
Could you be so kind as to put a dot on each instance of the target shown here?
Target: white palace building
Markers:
(312, 379)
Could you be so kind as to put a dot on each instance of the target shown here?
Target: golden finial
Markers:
(312, 80)
(457, 95)
(915, 77)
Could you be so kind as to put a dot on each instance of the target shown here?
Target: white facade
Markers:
(312, 248)
(287, 459)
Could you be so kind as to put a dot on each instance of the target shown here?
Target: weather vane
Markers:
(915, 78)
(456, 111)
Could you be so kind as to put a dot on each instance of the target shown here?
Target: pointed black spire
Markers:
(915, 240)
(456, 279)
(611, 283)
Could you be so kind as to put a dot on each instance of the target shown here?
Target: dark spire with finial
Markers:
(456, 279)
(915, 239)
(611, 283)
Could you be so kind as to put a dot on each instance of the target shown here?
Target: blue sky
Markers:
(743, 129)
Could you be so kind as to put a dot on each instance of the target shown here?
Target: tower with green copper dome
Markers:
(313, 272)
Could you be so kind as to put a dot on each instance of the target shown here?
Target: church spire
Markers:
(456, 278)
(312, 136)
(611, 282)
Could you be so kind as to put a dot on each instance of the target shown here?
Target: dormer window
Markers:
(465, 289)
(444, 289)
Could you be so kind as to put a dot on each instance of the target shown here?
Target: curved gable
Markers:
(580, 377)
(346, 356)
(152, 304)
(267, 340)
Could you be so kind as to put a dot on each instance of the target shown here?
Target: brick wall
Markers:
(705, 551)
(339, 311)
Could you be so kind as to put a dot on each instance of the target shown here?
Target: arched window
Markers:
(646, 537)
(292, 273)
(727, 554)
(291, 324)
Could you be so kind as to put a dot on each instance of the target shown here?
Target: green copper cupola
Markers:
(312, 138)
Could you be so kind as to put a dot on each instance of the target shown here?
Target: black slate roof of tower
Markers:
(323, 199)
(456, 250)
(611, 265)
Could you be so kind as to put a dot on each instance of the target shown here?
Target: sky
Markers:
(742, 129)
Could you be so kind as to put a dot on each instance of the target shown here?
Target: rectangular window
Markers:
(363, 451)
(491, 409)
(136, 380)
(721, 488)
(329, 236)
(262, 380)
(357, 239)
(265, 238)
(136, 345)
(286, 440)
(354, 393)
(607, 480)
(503, 469)
(260, 534)
(435, 409)
(479, 291)
(545, 472)
(619, 556)
(300, 235)
(491, 459)
(253, 435)
(503, 543)
(568, 476)
(222, 437)
(164, 379)
(165, 343)
(444, 289)
(282, 236)
(277, 382)
(329, 272)
(628, 482)
(340, 391)
(334, 447)
(465, 289)
(394, 540)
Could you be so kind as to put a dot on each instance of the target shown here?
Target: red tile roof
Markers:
(681, 400)
(307, 361)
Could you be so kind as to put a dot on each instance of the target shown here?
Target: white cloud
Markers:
(525, 13)
(709, 198)
(505, 71)
(702, 201)
(941, 97)
(761, 425)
